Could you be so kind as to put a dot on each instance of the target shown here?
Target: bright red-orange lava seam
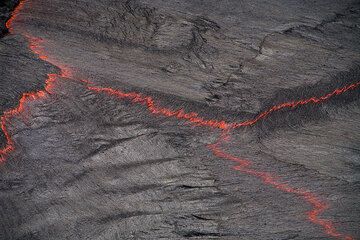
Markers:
(267, 178)
(26, 98)
(294, 104)
(14, 14)
(192, 117)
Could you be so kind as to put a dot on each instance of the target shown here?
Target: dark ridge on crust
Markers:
(6, 7)
(311, 112)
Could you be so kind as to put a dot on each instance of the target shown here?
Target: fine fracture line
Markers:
(244, 166)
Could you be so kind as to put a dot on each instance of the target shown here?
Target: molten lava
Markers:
(15, 13)
(294, 104)
(154, 108)
(267, 178)
(35, 44)
(194, 117)
(26, 98)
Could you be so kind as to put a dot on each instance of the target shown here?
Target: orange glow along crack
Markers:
(241, 165)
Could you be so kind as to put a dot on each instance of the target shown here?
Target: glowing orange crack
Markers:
(267, 178)
(192, 117)
(153, 108)
(294, 104)
(14, 14)
(7, 115)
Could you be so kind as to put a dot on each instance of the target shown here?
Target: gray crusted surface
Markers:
(87, 166)
(6, 6)
(20, 72)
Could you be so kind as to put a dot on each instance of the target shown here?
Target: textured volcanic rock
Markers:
(6, 6)
(21, 72)
(91, 166)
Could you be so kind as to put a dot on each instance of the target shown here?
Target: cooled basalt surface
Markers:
(6, 7)
(87, 165)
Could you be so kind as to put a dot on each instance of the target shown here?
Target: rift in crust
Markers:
(319, 207)
(6, 7)
(244, 166)
(312, 112)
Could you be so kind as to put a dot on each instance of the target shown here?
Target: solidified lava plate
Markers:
(154, 119)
